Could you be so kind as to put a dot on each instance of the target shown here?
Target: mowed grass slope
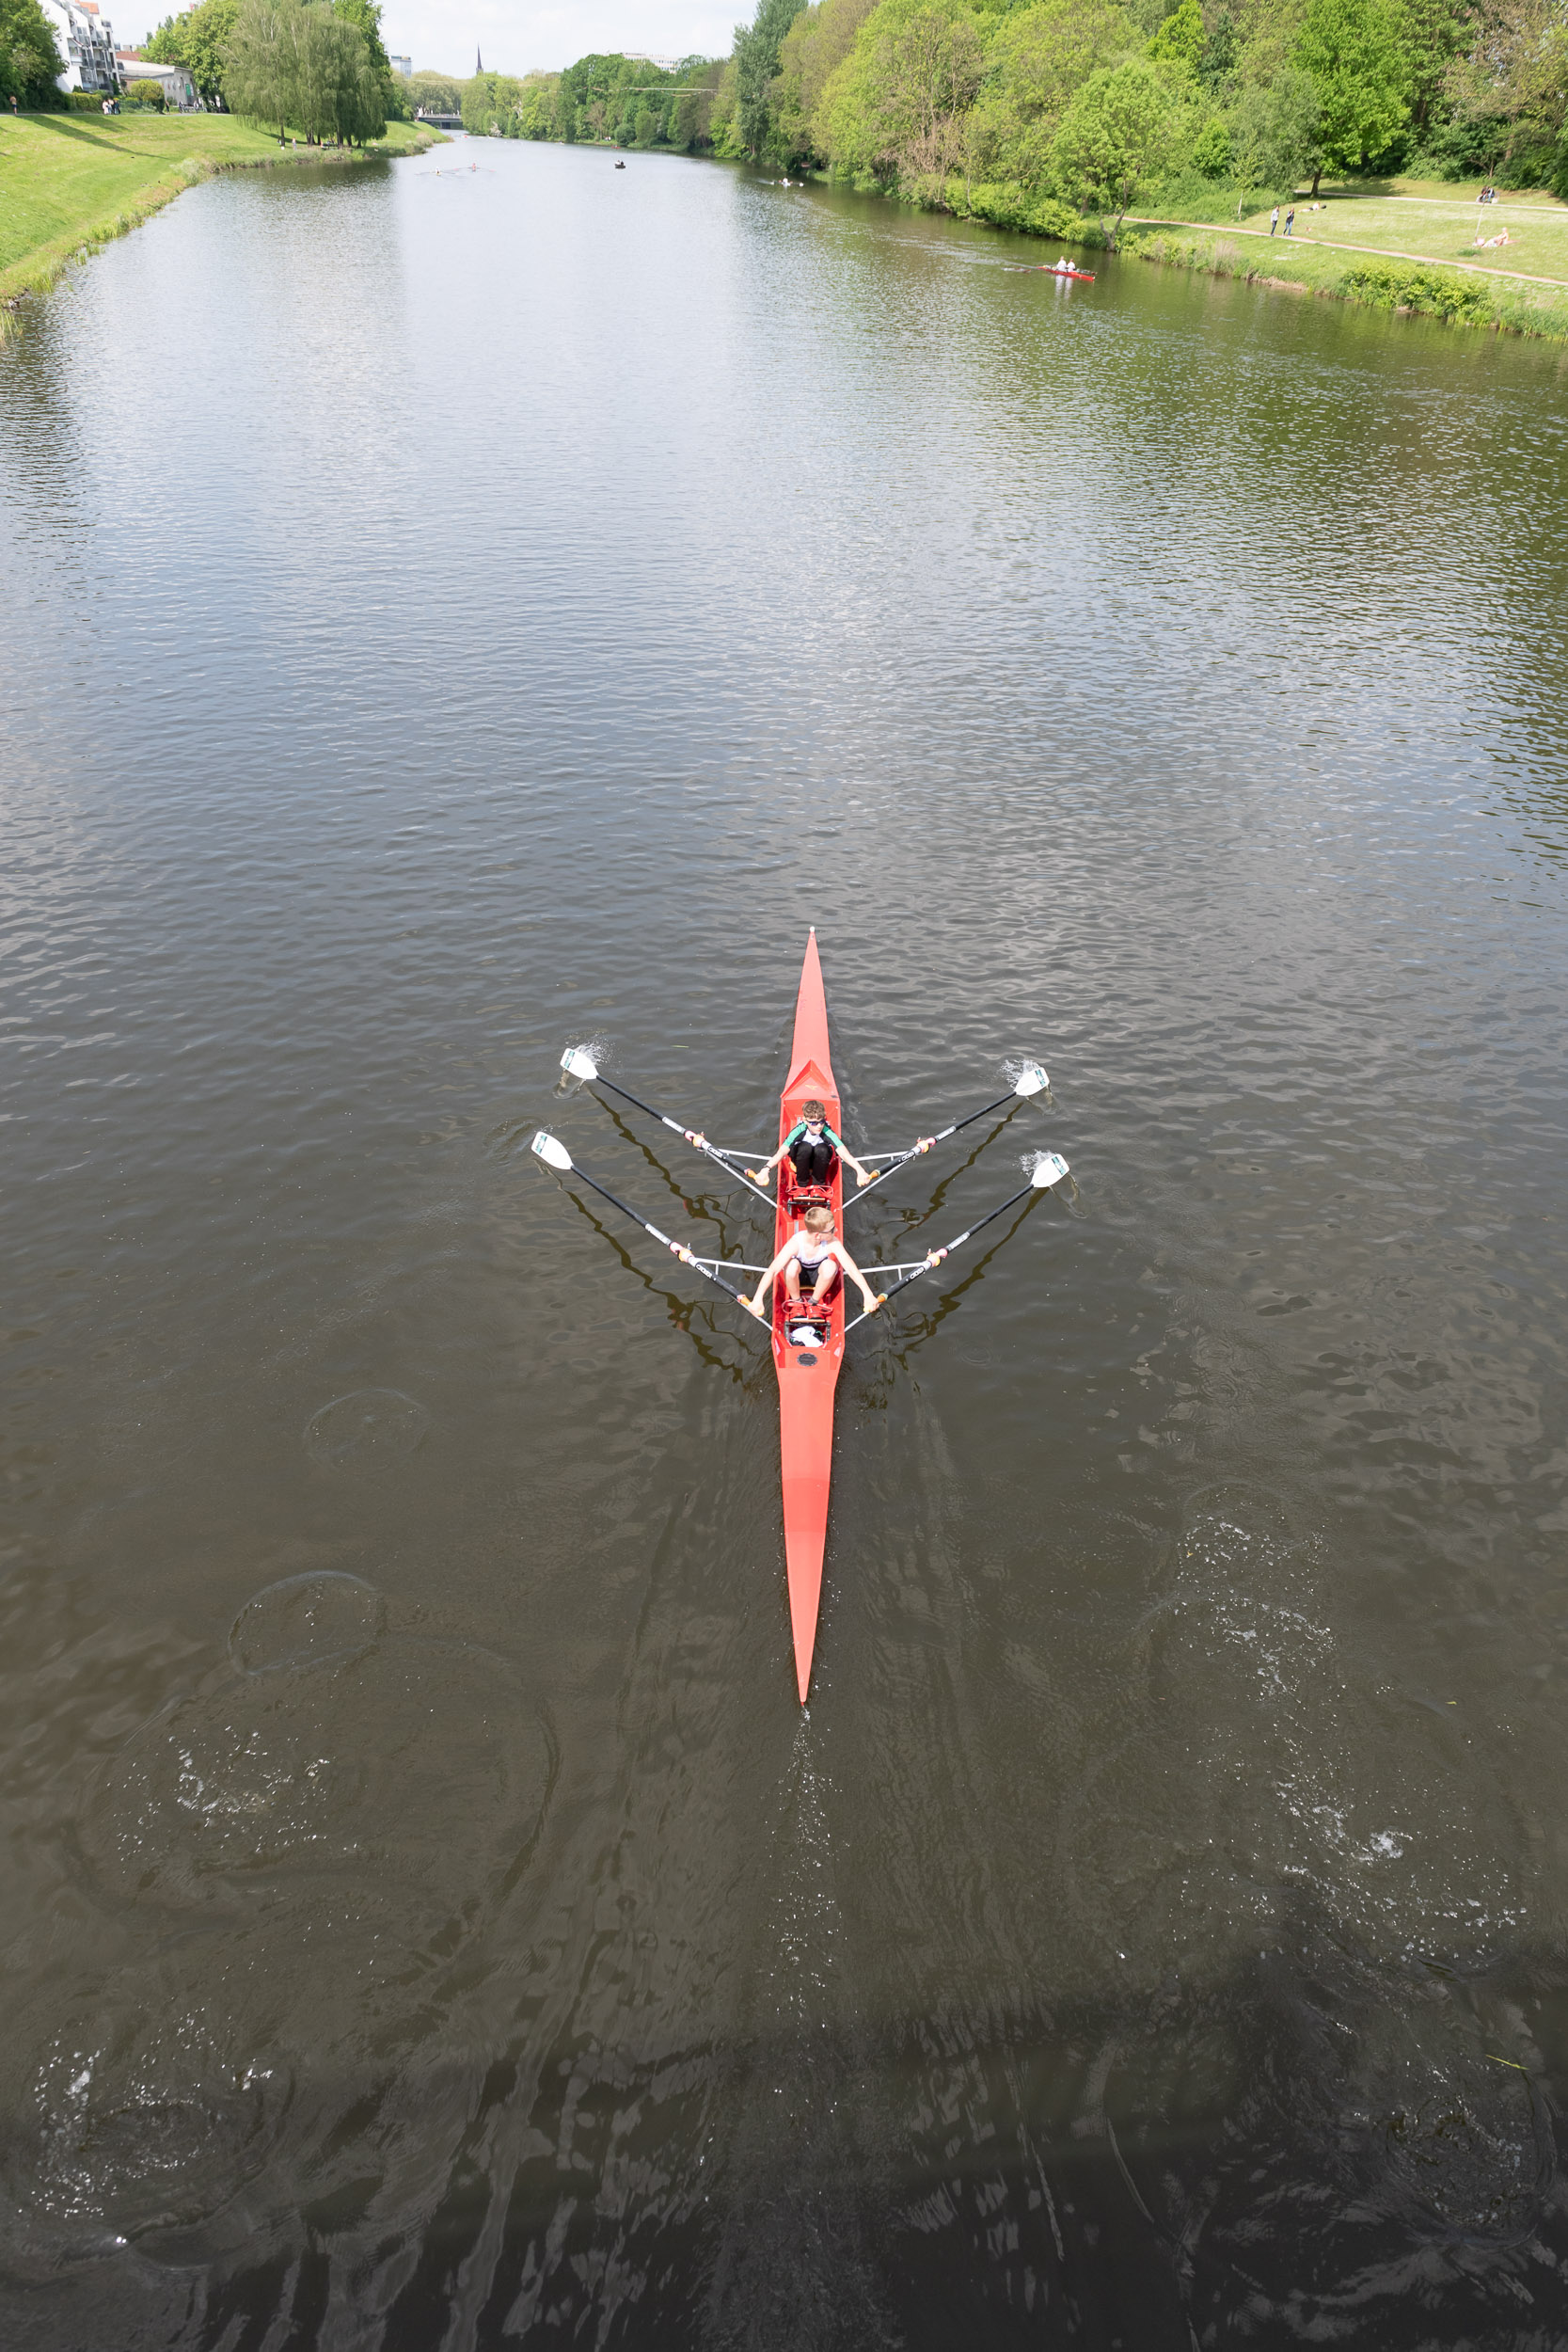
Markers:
(68, 181)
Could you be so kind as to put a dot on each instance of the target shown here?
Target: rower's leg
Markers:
(792, 1283)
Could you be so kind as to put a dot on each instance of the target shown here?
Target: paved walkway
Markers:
(1332, 245)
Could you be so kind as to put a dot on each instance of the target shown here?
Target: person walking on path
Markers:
(1289, 221)
(1274, 221)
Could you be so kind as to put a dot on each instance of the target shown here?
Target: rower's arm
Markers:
(847, 1263)
(862, 1175)
(755, 1302)
(767, 1167)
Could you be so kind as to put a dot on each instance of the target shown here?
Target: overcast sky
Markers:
(514, 35)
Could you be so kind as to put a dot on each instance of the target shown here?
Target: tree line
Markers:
(1035, 113)
(317, 67)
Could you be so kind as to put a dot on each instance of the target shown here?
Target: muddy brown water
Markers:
(447, 617)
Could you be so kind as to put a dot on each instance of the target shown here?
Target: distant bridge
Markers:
(444, 122)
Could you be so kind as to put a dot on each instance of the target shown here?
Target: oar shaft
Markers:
(958, 1125)
(673, 1124)
(686, 1135)
(903, 1159)
(942, 1255)
(680, 1251)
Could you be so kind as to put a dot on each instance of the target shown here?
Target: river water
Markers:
(454, 611)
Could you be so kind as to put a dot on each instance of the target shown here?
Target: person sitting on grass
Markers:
(816, 1254)
(811, 1144)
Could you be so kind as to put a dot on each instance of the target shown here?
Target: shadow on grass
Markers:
(69, 129)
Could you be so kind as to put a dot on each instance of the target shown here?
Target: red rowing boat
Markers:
(807, 1375)
(808, 1343)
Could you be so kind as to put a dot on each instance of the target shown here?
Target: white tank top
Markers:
(811, 1248)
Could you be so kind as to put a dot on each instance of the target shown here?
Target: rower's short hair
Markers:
(813, 1109)
(817, 1215)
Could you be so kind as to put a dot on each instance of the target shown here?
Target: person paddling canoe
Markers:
(811, 1144)
(816, 1255)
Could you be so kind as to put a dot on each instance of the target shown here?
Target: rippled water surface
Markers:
(451, 613)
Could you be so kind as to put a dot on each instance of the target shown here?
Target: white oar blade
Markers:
(1031, 1079)
(1049, 1169)
(577, 1062)
(552, 1150)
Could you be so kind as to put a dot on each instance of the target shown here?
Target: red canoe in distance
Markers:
(807, 1376)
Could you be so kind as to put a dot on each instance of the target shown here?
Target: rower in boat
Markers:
(810, 1145)
(814, 1251)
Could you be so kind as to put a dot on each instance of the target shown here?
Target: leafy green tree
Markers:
(757, 65)
(1180, 41)
(690, 120)
(258, 68)
(539, 107)
(199, 42)
(30, 60)
(1434, 35)
(1355, 51)
(299, 62)
(1514, 74)
(432, 94)
(1117, 136)
(366, 14)
(1222, 53)
(492, 102)
(1036, 60)
(811, 54)
(1211, 155)
(1276, 130)
(724, 112)
(898, 105)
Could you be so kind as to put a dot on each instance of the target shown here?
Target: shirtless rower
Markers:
(816, 1254)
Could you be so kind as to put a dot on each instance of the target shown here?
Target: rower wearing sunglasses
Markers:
(810, 1146)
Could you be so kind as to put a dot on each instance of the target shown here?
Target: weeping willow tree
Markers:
(297, 63)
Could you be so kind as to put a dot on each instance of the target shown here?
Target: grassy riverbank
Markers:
(1404, 246)
(68, 183)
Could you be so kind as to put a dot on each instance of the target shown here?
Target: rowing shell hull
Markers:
(808, 1377)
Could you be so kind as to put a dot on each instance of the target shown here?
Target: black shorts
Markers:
(812, 1163)
(809, 1275)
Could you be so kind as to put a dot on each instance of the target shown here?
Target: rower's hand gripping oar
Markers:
(1050, 1168)
(578, 1063)
(554, 1154)
(1031, 1080)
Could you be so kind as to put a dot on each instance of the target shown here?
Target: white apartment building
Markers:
(86, 44)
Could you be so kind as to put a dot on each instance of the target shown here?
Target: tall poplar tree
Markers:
(756, 58)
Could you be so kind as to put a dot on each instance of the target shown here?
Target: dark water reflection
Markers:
(449, 616)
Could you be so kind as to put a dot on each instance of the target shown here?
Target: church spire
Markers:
(478, 62)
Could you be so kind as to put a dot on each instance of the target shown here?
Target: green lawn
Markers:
(69, 181)
(1438, 225)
